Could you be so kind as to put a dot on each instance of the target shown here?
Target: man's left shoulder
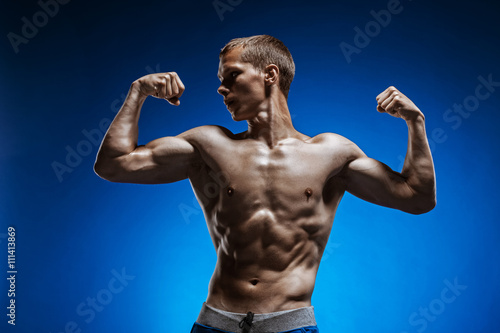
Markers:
(337, 145)
(329, 139)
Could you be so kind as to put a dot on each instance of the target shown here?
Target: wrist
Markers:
(416, 118)
(137, 91)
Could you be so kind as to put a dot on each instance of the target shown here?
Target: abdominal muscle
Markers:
(266, 264)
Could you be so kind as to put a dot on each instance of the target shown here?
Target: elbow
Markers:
(100, 170)
(422, 205)
(104, 171)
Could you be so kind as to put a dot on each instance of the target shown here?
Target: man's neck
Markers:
(273, 123)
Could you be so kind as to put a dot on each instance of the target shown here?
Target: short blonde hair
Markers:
(264, 50)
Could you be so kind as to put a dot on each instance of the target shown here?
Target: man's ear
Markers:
(271, 74)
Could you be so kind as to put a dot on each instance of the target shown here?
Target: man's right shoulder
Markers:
(207, 134)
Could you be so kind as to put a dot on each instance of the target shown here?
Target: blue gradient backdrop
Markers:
(382, 268)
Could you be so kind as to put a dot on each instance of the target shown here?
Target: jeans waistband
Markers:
(260, 323)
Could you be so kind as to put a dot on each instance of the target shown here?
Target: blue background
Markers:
(381, 267)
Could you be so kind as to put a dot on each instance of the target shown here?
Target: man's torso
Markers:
(269, 213)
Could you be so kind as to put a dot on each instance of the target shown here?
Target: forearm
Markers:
(120, 159)
(418, 168)
(121, 137)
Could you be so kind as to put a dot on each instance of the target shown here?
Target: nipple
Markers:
(230, 191)
(308, 192)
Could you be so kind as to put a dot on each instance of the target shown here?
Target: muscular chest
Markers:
(279, 173)
(286, 177)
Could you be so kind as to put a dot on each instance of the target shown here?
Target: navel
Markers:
(254, 281)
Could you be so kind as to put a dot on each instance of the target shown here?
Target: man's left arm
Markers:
(413, 190)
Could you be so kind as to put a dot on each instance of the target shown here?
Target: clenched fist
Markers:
(162, 85)
(398, 105)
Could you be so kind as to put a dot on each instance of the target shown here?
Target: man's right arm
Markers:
(164, 160)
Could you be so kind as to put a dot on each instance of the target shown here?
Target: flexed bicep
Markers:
(413, 190)
(376, 182)
(163, 160)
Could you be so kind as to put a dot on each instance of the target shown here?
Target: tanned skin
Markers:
(269, 194)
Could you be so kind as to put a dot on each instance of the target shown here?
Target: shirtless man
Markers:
(271, 209)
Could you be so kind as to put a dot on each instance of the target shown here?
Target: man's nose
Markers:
(223, 90)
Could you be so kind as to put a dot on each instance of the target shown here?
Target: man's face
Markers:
(242, 86)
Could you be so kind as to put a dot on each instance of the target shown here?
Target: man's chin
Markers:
(235, 117)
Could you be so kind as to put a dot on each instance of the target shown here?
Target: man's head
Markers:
(252, 70)
(264, 50)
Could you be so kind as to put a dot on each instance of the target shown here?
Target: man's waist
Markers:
(261, 322)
